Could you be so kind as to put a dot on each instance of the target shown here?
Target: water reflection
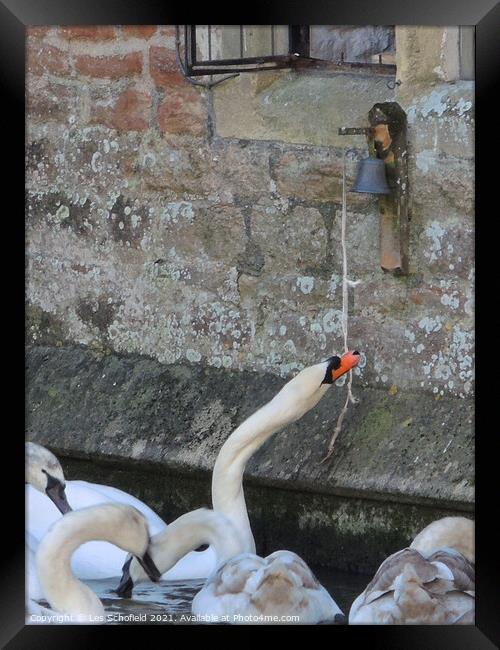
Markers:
(170, 601)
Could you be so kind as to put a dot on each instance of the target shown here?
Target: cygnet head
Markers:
(449, 532)
(44, 472)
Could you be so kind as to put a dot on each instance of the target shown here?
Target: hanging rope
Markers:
(346, 283)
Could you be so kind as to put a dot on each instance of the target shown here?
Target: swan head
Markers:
(320, 376)
(131, 533)
(126, 584)
(44, 472)
(338, 366)
(144, 564)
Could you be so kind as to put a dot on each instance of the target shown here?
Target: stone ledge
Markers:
(407, 448)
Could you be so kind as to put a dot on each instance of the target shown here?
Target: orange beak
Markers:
(348, 361)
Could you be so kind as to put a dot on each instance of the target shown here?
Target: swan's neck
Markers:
(64, 592)
(288, 405)
(191, 530)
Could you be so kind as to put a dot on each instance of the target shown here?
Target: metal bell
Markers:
(371, 177)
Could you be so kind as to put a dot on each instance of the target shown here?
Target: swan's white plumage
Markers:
(297, 396)
(248, 588)
(33, 588)
(429, 583)
(117, 523)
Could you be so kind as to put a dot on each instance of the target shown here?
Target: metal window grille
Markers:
(223, 49)
(201, 57)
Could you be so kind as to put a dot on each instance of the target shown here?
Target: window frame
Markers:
(297, 58)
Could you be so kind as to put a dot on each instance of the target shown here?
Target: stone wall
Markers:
(202, 227)
(198, 225)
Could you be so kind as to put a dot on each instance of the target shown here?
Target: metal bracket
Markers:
(389, 123)
(354, 130)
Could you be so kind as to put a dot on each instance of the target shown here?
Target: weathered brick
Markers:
(138, 31)
(163, 67)
(90, 32)
(130, 112)
(109, 67)
(42, 58)
(183, 112)
(48, 101)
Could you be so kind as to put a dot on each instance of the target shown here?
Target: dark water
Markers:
(170, 601)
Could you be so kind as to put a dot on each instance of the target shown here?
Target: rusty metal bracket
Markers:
(388, 121)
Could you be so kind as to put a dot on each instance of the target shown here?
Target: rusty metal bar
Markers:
(249, 59)
(217, 70)
(355, 130)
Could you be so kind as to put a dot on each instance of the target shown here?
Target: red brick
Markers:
(183, 112)
(130, 112)
(110, 67)
(41, 58)
(89, 32)
(163, 67)
(138, 31)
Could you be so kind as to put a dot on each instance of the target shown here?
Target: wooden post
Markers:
(388, 121)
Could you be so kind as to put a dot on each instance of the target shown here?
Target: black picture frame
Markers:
(15, 15)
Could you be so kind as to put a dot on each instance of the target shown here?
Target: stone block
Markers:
(298, 108)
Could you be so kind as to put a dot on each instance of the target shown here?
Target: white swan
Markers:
(296, 397)
(116, 523)
(44, 473)
(244, 588)
(431, 582)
